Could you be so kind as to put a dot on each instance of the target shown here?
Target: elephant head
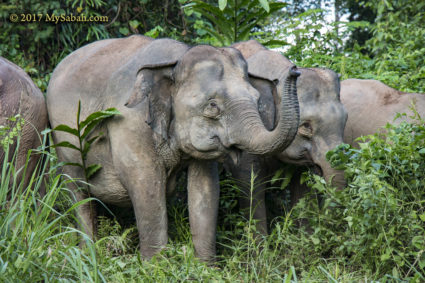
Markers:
(322, 123)
(322, 115)
(201, 103)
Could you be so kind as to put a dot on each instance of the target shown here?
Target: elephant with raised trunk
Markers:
(179, 105)
(322, 121)
(19, 95)
(372, 104)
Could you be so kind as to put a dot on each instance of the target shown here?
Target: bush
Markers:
(378, 222)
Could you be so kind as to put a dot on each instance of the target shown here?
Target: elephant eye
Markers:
(306, 130)
(212, 110)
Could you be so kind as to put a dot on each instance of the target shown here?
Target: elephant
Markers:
(372, 104)
(179, 106)
(322, 122)
(19, 95)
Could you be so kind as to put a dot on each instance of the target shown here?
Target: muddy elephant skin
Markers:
(19, 95)
(372, 104)
(322, 121)
(179, 105)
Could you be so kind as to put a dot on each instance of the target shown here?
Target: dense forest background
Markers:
(372, 231)
(376, 38)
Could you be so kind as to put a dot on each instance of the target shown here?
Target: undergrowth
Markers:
(371, 231)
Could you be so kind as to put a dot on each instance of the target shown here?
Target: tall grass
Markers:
(372, 231)
(38, 240)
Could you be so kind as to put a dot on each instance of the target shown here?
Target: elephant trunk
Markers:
(338, 176)
(263, 141)
(327, 171)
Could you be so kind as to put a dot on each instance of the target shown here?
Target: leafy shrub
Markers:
(232, 21)
(378, 222)
(399, 48)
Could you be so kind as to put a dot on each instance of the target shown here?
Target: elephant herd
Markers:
(188, 107)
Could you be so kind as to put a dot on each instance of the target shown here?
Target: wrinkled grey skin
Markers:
(371, 105)
(322, 121)
(178, 105)
(19, 95)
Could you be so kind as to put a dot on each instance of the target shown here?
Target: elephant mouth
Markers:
(213, 149)
(316, 169)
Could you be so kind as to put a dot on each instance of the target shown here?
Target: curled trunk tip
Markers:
(293, 72)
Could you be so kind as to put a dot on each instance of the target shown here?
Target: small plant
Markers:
(83, 133)
(85, 140)
(233, 20)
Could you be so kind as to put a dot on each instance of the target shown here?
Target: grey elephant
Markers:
(322, 121)
(179, 105)
(19, 95)
(372, 104)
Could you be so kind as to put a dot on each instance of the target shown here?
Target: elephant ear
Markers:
(269, 64)
(266, 68)
(154, 85)
(268, 99)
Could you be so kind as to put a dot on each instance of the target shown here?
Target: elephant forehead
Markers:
(313, 85)
(208, 70)
(322, 112)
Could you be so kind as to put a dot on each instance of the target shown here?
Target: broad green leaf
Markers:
(73, 164)
(90, 127)
(277, 176)
(92, 169)
(124, 31)
(66, 144)
(94, 119)
(134, 23)
(222, 4)
(67, 129)
(99, 114)
(265, 5)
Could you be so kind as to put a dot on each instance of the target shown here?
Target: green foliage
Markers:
(38, 46)
(377, 222)
(393, 55)
(400, 47)
(37, 236)
(373, 230)
(233, 20)
(84, 137)
(8, 133)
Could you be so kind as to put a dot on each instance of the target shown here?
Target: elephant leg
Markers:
(86, 212)
(146, 186)
(203, 199)
(141, 172)
(252, 201)
(297, 190)
(149, 204)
